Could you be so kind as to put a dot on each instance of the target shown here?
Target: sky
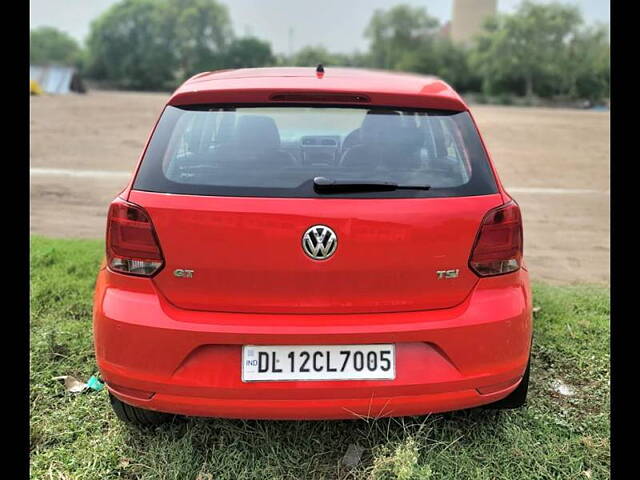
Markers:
(287, 24)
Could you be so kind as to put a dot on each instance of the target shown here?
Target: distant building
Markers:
(56, 79)
(468, 17)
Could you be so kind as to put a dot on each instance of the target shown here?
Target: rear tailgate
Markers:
(246, 253)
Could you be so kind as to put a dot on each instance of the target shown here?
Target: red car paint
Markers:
(166, 344)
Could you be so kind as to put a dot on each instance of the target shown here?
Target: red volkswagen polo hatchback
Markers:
(299, 244)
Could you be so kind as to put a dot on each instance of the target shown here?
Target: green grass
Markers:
(78, 437)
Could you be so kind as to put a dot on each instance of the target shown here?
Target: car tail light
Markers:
(132, 244)
(498, 246)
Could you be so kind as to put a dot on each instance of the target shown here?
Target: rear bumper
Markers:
(156, 356)
(316, 409)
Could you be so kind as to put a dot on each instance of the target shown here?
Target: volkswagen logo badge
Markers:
(319, 242)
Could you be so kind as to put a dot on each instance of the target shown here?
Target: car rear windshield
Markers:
(277, 151)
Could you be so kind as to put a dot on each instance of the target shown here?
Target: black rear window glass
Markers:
(277, 151)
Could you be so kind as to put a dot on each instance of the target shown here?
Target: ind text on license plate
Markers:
(318, 362)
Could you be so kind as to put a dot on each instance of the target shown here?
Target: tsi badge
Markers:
(180, 273)
(447, 274)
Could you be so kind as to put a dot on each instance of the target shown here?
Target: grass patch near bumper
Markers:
(76, 436)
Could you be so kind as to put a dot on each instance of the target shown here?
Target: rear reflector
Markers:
(132, 245)
(498, 247)
(497, 386)
(131, 392)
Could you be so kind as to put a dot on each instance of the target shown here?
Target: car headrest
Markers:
(376, 120)
(388, 128)
(257, 132)
(409, 138)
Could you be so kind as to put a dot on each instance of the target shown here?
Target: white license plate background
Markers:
(320, 365)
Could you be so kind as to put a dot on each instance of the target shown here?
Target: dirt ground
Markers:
(554, 162)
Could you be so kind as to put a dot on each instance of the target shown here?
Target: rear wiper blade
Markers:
(328, 185)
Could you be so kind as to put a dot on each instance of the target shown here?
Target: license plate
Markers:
(318, 362)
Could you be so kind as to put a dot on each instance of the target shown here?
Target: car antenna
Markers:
(320, 71)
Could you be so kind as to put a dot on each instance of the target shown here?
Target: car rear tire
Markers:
(138, 416)
(517, 398)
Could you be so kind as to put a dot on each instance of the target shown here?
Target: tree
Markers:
(155, 44)
(50, 45)
(441, 57)
(527, 46)
(453, 66)
(407, 38)
(128, 47)
(199, 32)
(311, 56)
(399, 33)
(587, 64)
(248, 52)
